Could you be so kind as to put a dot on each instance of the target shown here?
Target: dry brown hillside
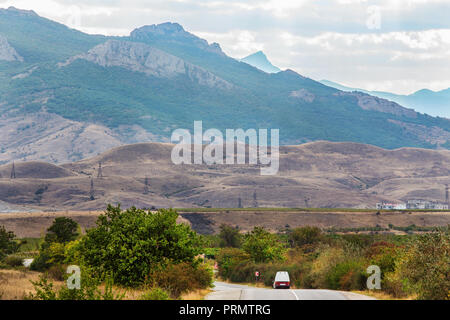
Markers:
(318, 174)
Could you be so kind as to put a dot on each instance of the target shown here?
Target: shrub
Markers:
(57, 272)
(424, 267)
(45, 290)
(262, 246)
(228, 258)
(7, 243)
(328, 258)
(229, 237)
(129, 244)
(384, 255)
(358, 240)
(392, 285)
(155, 294)
(181, 278)
(51, 254)
(305, 236)
(62, 230)
(14, 261)
(72, 252)
(347, 275)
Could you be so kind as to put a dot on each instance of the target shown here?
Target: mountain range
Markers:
(66, 95)
(435, 103)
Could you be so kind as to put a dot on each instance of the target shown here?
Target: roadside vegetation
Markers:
(412, 266)
(128, 250)
(147, 255)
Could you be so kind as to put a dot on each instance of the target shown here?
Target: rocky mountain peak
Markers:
(259, 60)
(368, 102)
(163, 29)
(8, 53)
(14, 10)
(140, 57)
(172, 32)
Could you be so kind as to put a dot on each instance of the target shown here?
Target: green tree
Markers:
(62, 230)
(7, 243)
(305, 236)
(262, 246)
(424, 267)
(52, 250)
(130, 244)
(229, 258)
(230, 237)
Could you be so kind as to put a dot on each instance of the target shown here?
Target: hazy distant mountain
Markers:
(66, 95)
(259, 60)
(434, 103)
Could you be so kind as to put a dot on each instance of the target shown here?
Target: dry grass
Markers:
(196, 295)
(135, 294)
(16, 284)
(380, 295)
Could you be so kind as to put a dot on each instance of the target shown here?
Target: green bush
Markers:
(57, 272)
(228, 258)
(7, 243)
(52, 251)
(14, 261)
(45, 290)
(392, 285)
(384, 255)
(51, 254)
(262, 246)
(424, 266)
(181, 278)
(305, 236)
(62, 230)
(155, 294)
(348, 275)
(229, 237)
(130, 244)
(358, 240)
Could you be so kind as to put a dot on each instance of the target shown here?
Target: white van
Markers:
(282, 280)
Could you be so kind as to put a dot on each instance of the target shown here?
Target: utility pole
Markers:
(100, 173)
(447, 200)
(91, 192)
(307, 202)
(146, 185)
(13, 171)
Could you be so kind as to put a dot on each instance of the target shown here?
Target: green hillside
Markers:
(115, 96)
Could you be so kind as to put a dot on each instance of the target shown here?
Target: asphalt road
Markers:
(226, 291)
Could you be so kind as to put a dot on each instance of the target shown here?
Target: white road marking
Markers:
(296, 297)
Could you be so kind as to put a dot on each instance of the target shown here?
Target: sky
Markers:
(399, 46)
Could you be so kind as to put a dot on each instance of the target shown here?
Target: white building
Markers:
(424, 205)
(391, 206)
